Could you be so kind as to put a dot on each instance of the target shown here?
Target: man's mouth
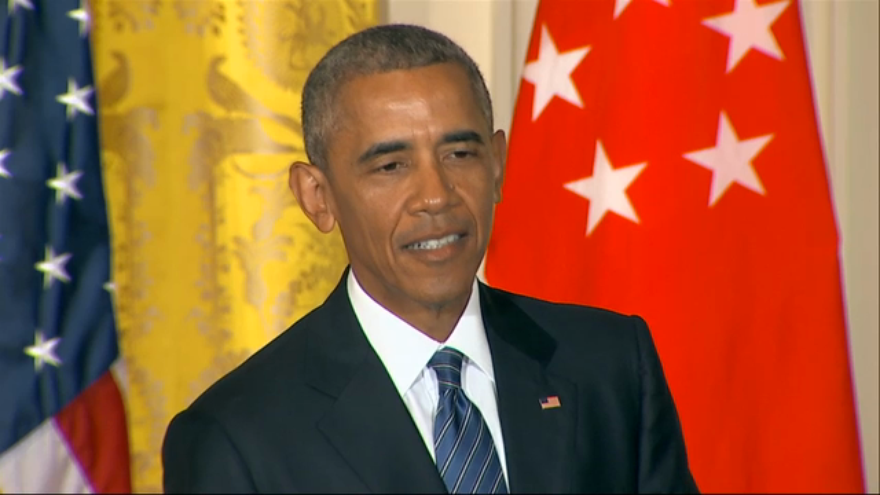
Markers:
(431, 244)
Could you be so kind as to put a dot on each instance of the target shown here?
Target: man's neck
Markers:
(437, 321)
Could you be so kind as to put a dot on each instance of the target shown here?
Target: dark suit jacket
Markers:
(315, 410)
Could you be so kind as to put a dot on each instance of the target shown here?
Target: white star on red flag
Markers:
(551, 74)
(748, 26)
(720, 244)
(621, 5)
(606, 189)
(730, 160)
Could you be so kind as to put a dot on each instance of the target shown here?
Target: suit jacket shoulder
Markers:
(585, 342)
(275, 367)
(304, 413)
(604, 368)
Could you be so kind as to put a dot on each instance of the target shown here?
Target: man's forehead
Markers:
(389, 83)
(442, 89)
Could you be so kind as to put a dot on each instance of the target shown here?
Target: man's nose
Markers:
(434, 189)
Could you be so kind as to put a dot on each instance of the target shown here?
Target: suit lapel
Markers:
(538, 442)
(368, 424)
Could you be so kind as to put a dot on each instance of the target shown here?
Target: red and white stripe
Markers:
(83, 449)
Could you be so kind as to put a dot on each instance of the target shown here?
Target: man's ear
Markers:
(499, 148)
(309, 184)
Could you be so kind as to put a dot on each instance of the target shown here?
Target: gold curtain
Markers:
(199, 107)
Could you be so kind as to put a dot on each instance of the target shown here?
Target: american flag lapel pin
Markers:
(550, 402)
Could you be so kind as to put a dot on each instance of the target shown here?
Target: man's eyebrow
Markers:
(383, 148)
(387, 147)
(462, 137)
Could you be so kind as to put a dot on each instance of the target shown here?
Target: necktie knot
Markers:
(447, 364)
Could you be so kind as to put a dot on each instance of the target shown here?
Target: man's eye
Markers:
(389, 167)
(459, 154)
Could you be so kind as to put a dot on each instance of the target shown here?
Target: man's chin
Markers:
(440, 294)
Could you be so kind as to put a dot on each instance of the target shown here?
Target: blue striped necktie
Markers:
(465, 452)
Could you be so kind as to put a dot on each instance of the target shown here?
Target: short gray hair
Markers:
(377, 50)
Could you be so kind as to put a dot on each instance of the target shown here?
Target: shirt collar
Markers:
(404, 350)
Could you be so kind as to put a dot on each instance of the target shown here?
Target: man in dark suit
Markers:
(413, 376)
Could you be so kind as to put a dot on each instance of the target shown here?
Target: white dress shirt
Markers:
(405, 352)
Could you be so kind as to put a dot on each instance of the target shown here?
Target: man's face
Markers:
(414, 172)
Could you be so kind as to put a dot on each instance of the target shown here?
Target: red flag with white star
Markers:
(665, 160)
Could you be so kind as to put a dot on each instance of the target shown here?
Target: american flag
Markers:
(550, 402)
(62, 420)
